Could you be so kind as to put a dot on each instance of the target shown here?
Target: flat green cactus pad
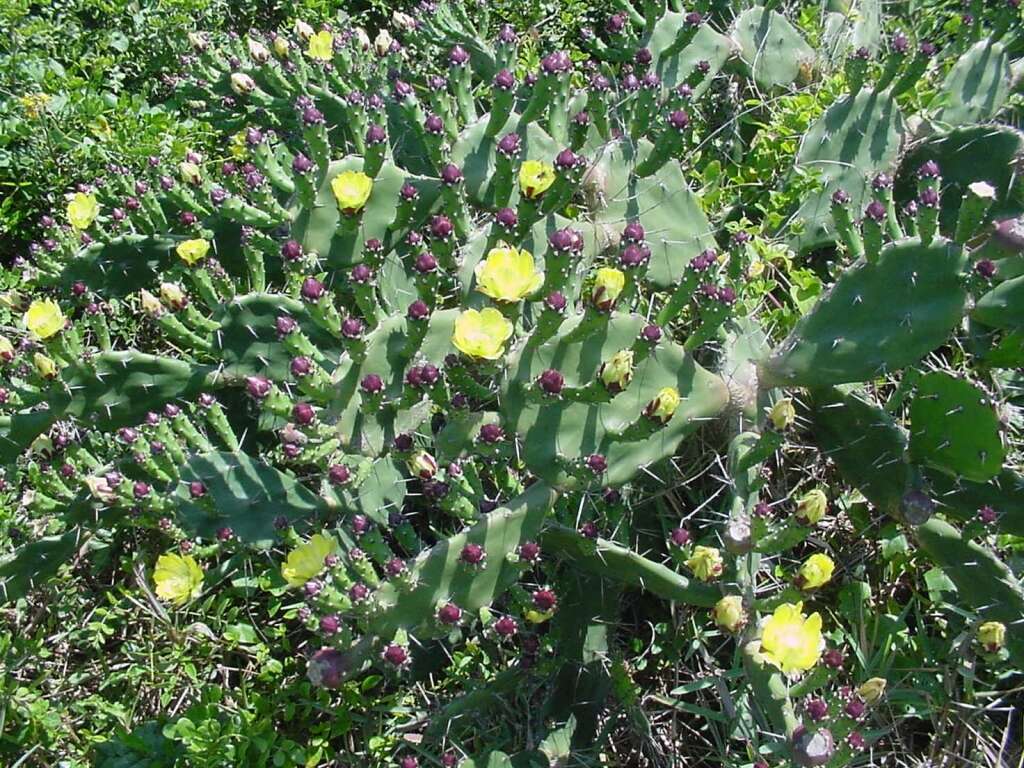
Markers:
(977, 86)
(954, 428)
(771, 48)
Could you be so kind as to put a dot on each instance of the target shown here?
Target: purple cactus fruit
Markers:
(140, 490)
(449, 613)
(928, 198)
(633, 232)
(817, 709)
(327, 668)
(597, 463)
(78, 288)
(507, 218)
(285, 325)
(551, 382)
(616, 24)
(303, 414)
(927, 49)
(875, 211)
(302, 164)
(375, 135)
(166, 183)
(117, 214)
(855, 708)
(330, 624)
(433, 125)
(703, 66)
(599, 83)
(352, 328)
(127, 435)
(414, 377)
(451, 175)
(680, 536)
(856, 740)
(651, 333)
(313, 587)
(566, 160)
(360, 525)
(833, 657)
(312, 289)
(630, 83)
(556, 63)
(418, 310)
(372, 384)
(458, 56)
(506, 626)
(642, 57)
(507, 34)
(899, 43)
(196, 489)
(650, 81)
(358, 592)
(840, 197)
(589, 530)
(338, 474)
(225, 534)
(634, 255)
(509, 144)
(429, 374)
(529, 551)
(881, 181)
(694, 19)
(414, 239)
(395, 567)
(441, 227)
(929, 170)
(408, 762)
(544, 600)
(491, 433)
(562, 240)
(555, 301)
(581, 118)
(987, 515)
(361, 274)
(396, 654)
(301, 366)
(408, 192)
(678, 120)
(426, 263)
(986, 268)
(504, 80)
(472, 554)
(403, 442)
(132, 203)
(401, 90)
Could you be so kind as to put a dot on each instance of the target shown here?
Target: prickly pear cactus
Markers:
(434, 330)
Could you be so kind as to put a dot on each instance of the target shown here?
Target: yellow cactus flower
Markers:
(191, 251)
(321, 46)
(173, 296)
(815, 572)
(811, 507)
(706, 563)
(351, 189)
(791, 641)
(238, 146)
(608, 286)
(258, 51)
(992, 635)
(481, 334)
(303, 30)
(873, 690)
(83, 210)
(44, 318)
(382, 43)
(618, 371)
(664, 405)
(307, 560)
(178, 578)
(729, 613)
(150, 304)
(535, 177)
(538, 617)
(508, 274)
(242, 84)
(281, 47)
(782, 414)
(44, 366)
(33, 104)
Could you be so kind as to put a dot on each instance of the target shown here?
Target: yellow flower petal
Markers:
(816, 571)
(351, 189)
(178, 578)
(508, 274)
(307, 560)
(83, 210)
(481, 334)
(535, 177)
(44, 318)
(791, 642)
(191, 251)
(321, 46)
